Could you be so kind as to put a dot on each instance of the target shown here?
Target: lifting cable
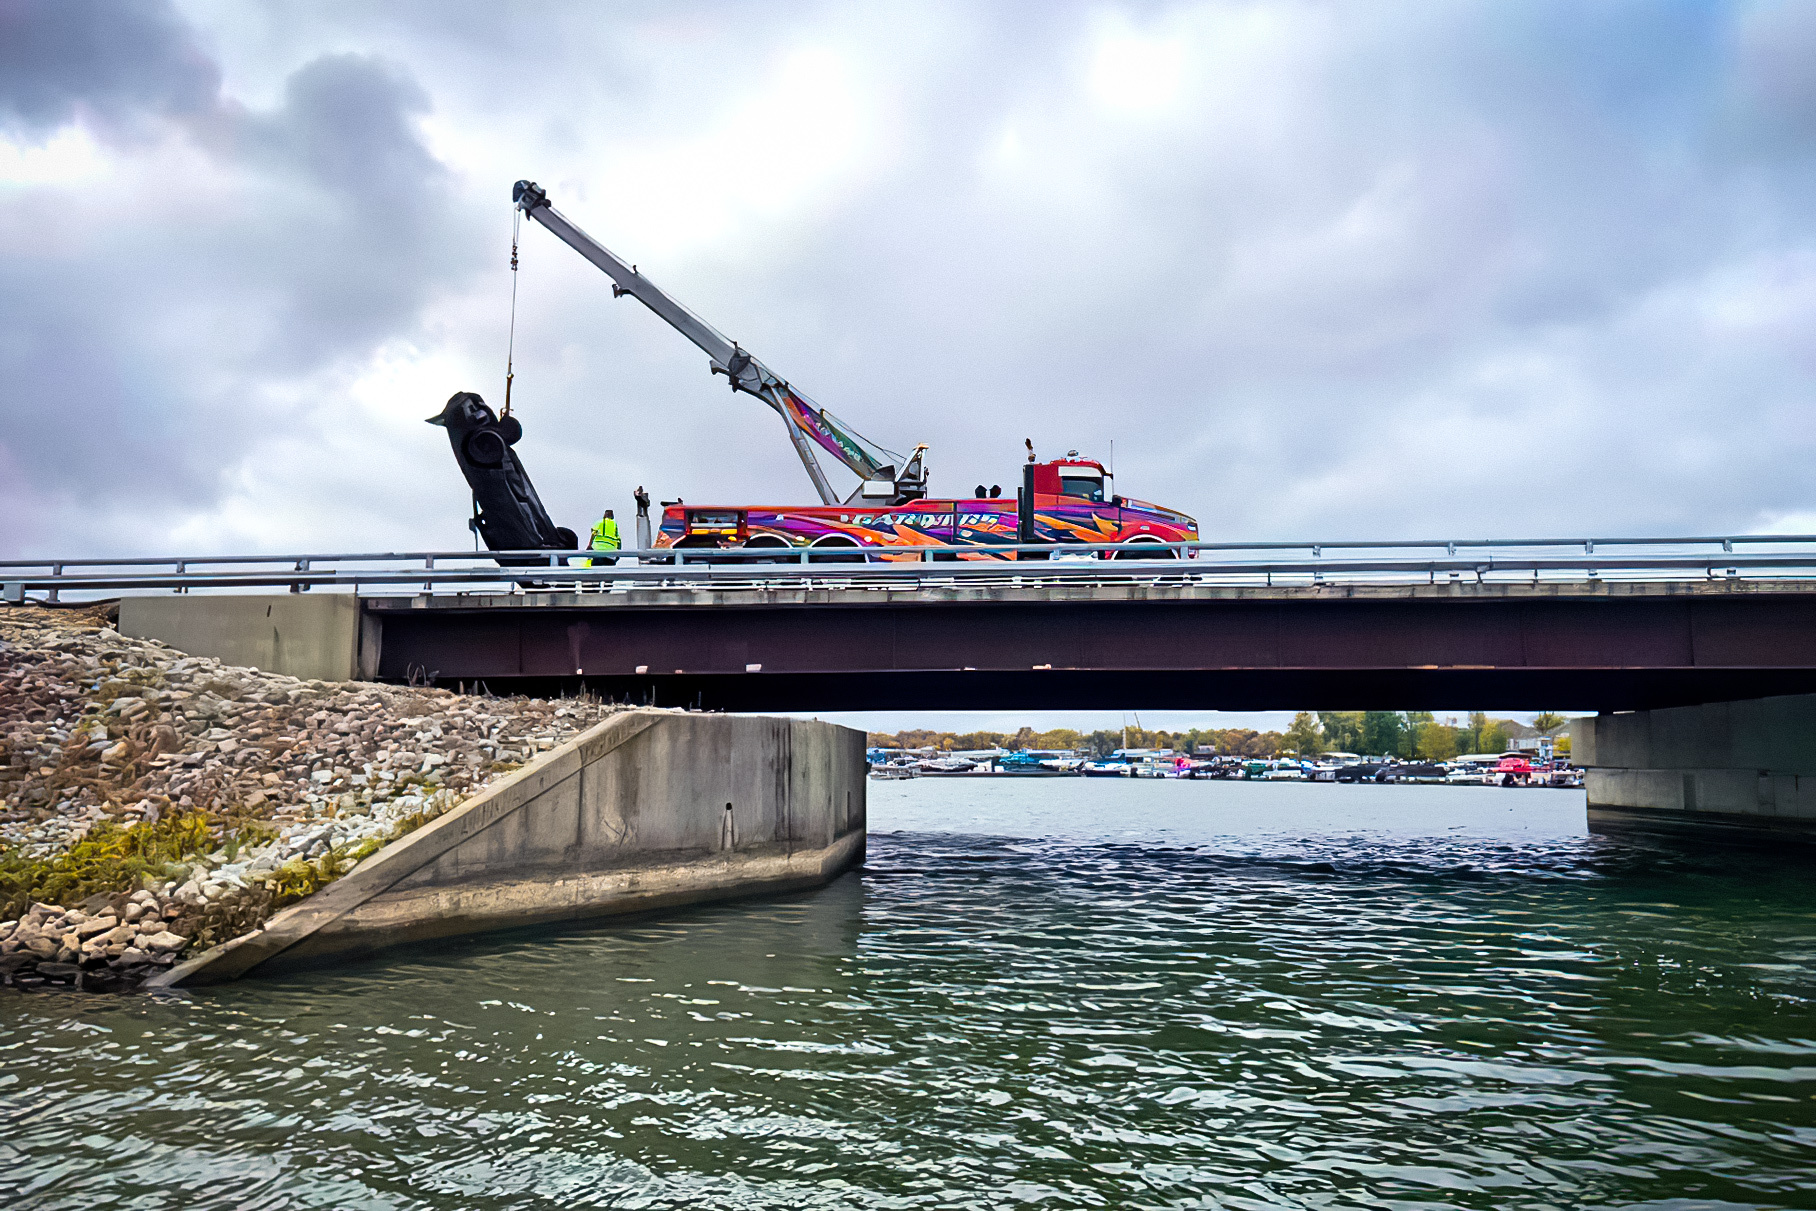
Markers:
(511, 346)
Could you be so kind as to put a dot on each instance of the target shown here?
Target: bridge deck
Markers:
(1591, 644)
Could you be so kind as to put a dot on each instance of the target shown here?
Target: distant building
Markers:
(1524, 739)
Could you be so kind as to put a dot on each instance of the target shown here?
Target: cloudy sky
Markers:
(1319, 270)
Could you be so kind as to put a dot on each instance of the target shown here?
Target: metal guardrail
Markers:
(1750, 556)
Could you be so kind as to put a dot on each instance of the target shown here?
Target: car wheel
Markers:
(485, 448)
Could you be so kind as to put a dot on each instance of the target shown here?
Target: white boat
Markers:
(941, 767)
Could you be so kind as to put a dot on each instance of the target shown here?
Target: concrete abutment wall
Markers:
(647, 810)
(1745, 770)
(306, 635)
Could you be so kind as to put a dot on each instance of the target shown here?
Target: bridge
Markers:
(1698, 653)
(1602, 624)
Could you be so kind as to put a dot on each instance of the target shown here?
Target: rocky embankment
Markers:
(154, 804)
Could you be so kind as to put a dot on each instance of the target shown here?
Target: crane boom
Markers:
(808, 424)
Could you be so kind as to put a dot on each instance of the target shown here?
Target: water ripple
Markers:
(1238, 1020)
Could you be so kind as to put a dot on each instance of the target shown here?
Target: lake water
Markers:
(1045, 993)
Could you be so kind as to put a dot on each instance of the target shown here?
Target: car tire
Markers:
(485, 448)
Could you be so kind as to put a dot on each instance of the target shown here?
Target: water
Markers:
(1052, 994)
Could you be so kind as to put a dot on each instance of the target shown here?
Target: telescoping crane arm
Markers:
(809, 425)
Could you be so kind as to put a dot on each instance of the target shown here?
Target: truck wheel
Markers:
(1133, 549)
(839, 543)
(765, 542)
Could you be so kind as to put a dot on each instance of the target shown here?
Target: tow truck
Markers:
(888, 515)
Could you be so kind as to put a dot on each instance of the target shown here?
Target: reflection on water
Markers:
(1058, 994)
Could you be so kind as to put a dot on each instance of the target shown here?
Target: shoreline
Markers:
(154, 805)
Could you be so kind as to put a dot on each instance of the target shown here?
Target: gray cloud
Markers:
(346, 126)
(157, 344)
(367, 235)
(113, 61)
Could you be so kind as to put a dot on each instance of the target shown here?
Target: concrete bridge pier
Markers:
(1744, 771)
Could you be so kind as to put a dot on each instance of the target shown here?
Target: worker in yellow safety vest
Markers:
(605, 538)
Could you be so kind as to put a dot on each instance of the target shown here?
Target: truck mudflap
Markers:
(1025, 530)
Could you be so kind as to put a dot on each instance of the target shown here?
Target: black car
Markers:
(507, 513)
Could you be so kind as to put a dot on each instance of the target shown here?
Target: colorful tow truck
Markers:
(889, 514)
(1064, 501)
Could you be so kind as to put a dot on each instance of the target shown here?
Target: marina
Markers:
(1510, 769)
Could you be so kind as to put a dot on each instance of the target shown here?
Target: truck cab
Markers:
(1073, 499)
(1080, 479)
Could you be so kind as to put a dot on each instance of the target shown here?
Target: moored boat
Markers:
(1025, 765)
(1034, 764)
(939, 767)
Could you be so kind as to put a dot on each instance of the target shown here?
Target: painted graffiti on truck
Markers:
(1070, 503)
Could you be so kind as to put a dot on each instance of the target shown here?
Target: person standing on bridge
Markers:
(605, 538)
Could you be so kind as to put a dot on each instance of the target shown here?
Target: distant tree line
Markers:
(1413, 735)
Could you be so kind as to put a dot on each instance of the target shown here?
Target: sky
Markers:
(893, 722)
(1318, 270)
